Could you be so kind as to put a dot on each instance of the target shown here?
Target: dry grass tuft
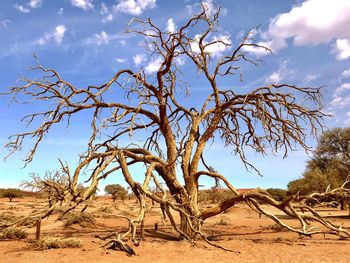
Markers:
(13, 233)
(58, 242)
(81, 218)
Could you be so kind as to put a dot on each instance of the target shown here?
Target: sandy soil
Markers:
(254, 239)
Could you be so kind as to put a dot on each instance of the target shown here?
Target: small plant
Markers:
(7, 217)
(13, 233)
(222, 222)
(58, 242)
(81, 218)
(105, 209)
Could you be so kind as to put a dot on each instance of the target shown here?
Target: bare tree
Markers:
(274, 117)
(54, 186)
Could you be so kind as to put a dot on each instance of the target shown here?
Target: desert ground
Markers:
(253, 238)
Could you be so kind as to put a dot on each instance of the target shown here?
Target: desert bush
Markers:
(11, 193)
(58, 242)
(13, 233)
(116, 191)
(81, 218)
(277, 193)
(213, 195)
(222, 222)
(7, 217)
(105, 209)
(104, 212)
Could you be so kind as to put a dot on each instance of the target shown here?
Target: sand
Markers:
(252, 238)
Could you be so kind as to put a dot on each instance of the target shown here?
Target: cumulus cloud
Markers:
(57, 35)
(171, 26)
(60, 11)
(83, 4)
(134, 7)
(312, 22)
(139, 59)
(281, 74)
(346, 73)
(341, 49)
(341, 97)
(344, 87)
(35, 3)
(154, 65)
(21, 8)
(219, 44)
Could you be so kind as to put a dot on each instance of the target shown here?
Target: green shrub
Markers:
(58, 242)
(116, 191)
(81, 218)
(277, 193)
(11, 193)
(13, 233)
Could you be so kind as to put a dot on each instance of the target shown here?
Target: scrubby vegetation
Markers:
(58, 242)
(83, 219)
(277, 193)
(117, 192)
(13, 233)
(11, 193)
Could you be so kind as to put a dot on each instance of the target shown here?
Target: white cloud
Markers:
(60, 11)
(134, 7)
(219, 45)
(260, 50)
(341, 49)
(275, 77)
(171, 26)
(83, 4)
(311, 77)
(346, 73)
(180, 61)
(311, 23)
(57, 35)
(121, 60)
(106, 13)
(209, 5)
(5, 22)
(122, 42)
(35, 3)
(340, 99)
(21, 8)
(154, 65)
(102, 38)
(281, 74)
(139, 59)
(344, 87)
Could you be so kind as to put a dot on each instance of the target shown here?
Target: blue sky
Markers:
(85, 41)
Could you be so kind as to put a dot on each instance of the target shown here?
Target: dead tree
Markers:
(53, 186)
(271, 117)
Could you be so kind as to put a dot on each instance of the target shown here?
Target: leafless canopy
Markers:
(271, 117)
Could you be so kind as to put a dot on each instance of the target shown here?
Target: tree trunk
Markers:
(343, 205)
